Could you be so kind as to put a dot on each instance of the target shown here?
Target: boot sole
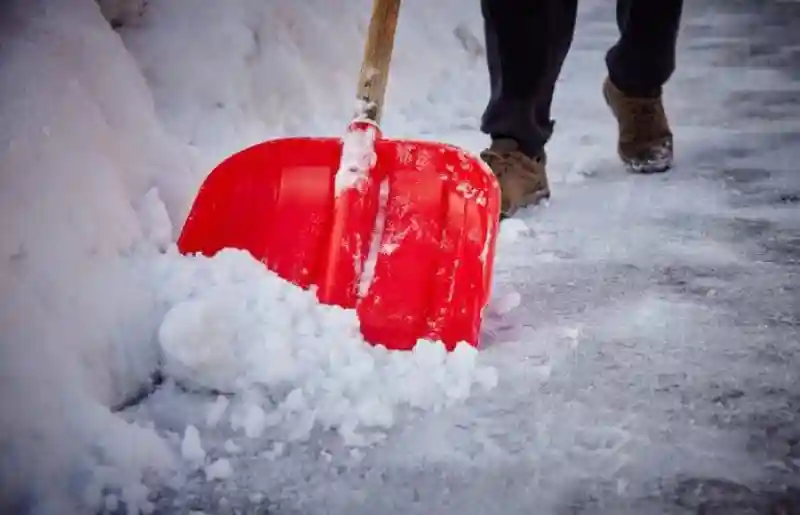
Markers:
(648, 168)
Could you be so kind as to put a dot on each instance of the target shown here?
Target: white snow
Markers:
(111, 502)
(641, 329)
(375, 247)
(358, 157)
(231, 447)
(253, 420)
(234, 326)
(512, 229)
(191, 446)
(216, 411)
(505, 303)
(220, 469)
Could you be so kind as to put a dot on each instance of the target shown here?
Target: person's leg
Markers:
(643, 59)
(526, 44)
(639, 64)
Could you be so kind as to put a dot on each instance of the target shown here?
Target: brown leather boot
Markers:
(523, 180)
(645, 140)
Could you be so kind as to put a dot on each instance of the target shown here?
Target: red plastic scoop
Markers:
(402, 231)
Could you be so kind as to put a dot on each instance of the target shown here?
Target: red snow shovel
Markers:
(402, 231)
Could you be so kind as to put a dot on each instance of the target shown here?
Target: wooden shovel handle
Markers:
(377, 57)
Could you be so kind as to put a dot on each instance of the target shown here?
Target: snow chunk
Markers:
(276, 451)
(220, 469)
(253, 420)
(209, 323)
(216, 411)
(231, 448)
(191, 446)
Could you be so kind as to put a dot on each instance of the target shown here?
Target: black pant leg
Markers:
(526, 44)
(643, 59)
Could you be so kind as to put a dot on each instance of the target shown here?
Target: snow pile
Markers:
(89, 181)
(62, 454)
(274, 69)
(91, 185)
(236, 327)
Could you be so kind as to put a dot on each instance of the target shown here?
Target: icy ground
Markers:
(641, 353)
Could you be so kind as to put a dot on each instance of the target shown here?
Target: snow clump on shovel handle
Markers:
(358, 157)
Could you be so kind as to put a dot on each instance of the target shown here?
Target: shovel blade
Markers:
(411, 249)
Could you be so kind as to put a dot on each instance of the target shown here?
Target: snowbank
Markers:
(104, 141)
(269, 69)
(86, 172)
(86, 167)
